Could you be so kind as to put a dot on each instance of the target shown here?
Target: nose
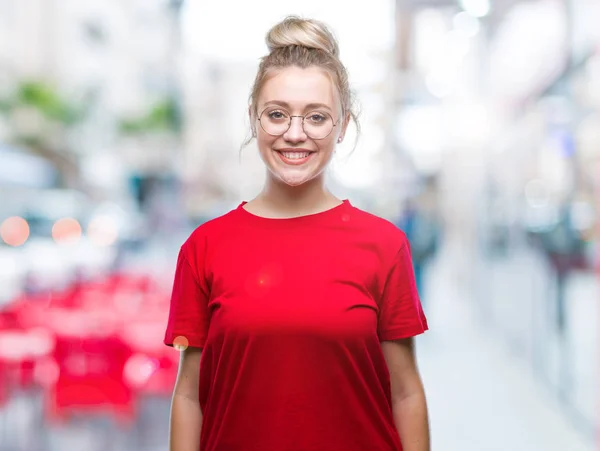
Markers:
(296, 132)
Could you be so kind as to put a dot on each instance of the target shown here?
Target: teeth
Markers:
(295, 155)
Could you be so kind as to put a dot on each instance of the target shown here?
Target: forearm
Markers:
(186, 424)
(412, 422)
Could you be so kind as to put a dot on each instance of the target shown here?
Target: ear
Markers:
(344, 127)
(251, 116)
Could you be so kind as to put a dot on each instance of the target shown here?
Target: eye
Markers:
(316, 118)
(277, 115)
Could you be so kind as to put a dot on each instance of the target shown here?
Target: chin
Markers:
(294, 180)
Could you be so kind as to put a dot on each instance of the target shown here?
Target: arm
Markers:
(408, 396)
(186, 415)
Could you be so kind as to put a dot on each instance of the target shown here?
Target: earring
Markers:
(340, 139)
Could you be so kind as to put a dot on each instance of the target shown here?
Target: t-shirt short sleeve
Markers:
(401, 314)
(188, 315)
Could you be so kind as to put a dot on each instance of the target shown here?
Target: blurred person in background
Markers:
(564, 247)
(420, 221)
(296, 312)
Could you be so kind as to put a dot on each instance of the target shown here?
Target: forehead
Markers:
(299, 87)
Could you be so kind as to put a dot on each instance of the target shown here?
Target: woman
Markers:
(297, 310)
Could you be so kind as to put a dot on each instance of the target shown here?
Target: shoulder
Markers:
(210, 231)
(381, 230)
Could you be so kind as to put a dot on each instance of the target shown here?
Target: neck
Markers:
(307, 198)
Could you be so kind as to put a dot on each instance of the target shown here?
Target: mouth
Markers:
(295, 157)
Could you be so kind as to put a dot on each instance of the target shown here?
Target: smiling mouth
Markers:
(294, 157)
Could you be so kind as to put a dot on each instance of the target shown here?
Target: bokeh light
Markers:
(139, 368)
(66, 231)
(14, 231)
(47, 372)
(102, 231)
(476, 8)
(181, 343)
(466, 24)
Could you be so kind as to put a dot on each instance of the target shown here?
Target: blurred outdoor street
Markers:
(121, 131)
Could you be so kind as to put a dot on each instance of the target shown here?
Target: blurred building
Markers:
(499, 101)
(216, 170)
(114, 61)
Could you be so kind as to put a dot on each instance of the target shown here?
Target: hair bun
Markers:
(308, 33)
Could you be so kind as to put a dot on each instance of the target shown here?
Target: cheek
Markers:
(327, 146)
(265, 142)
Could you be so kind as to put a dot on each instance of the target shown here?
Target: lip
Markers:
(297, 161)
(294, 149)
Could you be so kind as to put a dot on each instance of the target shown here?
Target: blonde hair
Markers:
(304, 43)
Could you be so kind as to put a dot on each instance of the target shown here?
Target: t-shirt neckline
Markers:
(296, 219)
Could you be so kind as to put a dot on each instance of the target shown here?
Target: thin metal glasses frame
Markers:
(290, 124)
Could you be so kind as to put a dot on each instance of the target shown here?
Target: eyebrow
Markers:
(287, 105)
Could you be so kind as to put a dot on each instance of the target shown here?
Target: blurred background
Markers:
(120, 130)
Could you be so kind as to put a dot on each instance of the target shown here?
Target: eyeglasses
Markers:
(277, 121)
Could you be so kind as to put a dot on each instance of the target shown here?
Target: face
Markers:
(299, 154)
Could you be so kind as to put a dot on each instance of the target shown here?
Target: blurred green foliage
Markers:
(58, 113)
(49, 103)
(163, 116)
(46, 100)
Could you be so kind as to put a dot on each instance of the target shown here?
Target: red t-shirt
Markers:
(290, 314)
